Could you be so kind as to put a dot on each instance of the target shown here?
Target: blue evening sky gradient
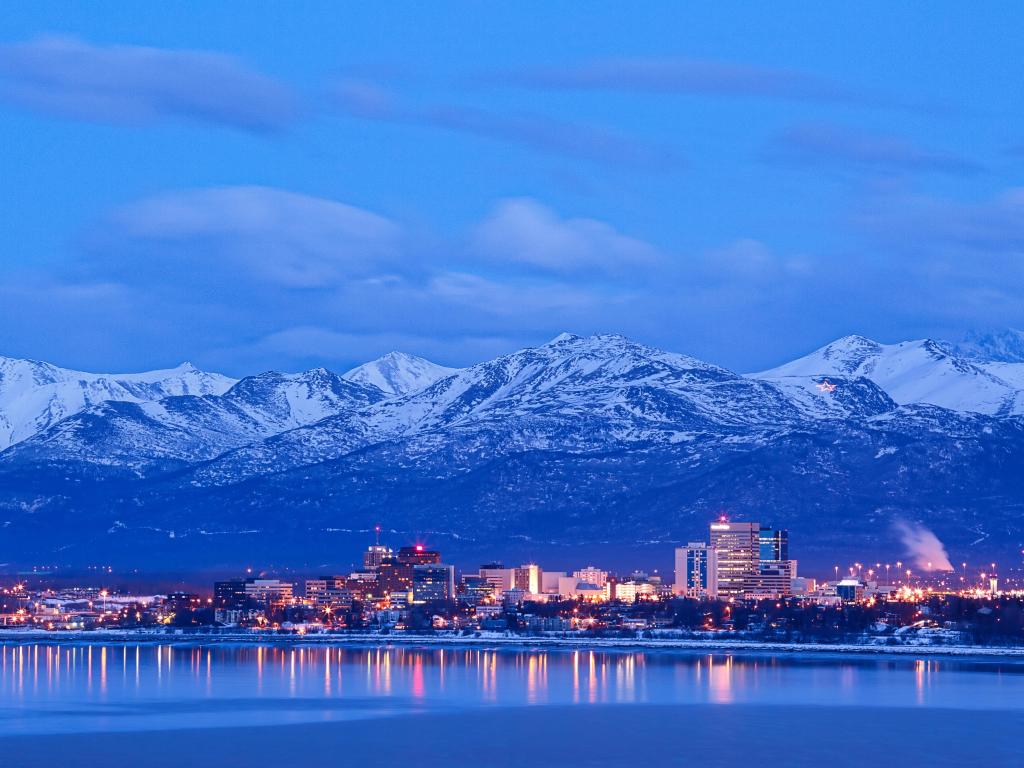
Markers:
(282, 185)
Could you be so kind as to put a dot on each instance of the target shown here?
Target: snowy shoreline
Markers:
(500, 640)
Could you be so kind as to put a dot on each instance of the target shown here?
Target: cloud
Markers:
(366, 100)
(226, 275)
(992, 227)
(245, 278)
(511, 298)
(524, 232)
(825, 144)
(247, 234)
(684, 75)
(69, 77)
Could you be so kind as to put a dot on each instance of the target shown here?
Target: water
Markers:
(58, 696)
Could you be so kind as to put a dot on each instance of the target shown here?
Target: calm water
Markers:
(50, 689)
(81, 706)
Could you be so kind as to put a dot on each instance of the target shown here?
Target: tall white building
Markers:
(738, 549)
(696, 570)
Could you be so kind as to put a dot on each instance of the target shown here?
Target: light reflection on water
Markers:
(48, 688)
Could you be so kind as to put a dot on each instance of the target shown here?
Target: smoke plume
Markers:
(923, 546)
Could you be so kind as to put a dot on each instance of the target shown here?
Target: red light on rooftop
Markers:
(419, 547)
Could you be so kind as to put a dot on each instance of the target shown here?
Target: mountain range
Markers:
(582, 445)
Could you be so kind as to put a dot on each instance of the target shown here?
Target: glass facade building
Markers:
(696, 570)
(433, 584)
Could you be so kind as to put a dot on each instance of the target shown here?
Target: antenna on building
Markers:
(376, 530)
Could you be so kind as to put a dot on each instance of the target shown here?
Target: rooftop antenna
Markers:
(376, 530)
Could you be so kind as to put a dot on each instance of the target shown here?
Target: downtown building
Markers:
(433, 583)
(737, 549)
(696, 571)
(740, 561)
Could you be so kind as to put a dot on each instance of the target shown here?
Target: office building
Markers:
(329, 592)
(528, 578)
(418, 555)
(394, 573)
(696, 571)
(773, 544)
(271, 592)
(498, 576)
(737, 549)
(776, 570)
(475, 589)
(774, 579)
(230, 594)
(433, 583)
(591, 575)
(631, 591)
(374, 555)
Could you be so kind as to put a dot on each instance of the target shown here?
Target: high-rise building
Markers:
(230, 594)
(776, 570)
(737, 548)
(418, 555)
(528, 578)
(773, 544)
(433, 583)
(696, 570)
(374, 556)
(393, 578)
(394, 574)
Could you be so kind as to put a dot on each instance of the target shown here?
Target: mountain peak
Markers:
(398, 373)
(562, 338)
(923, 371)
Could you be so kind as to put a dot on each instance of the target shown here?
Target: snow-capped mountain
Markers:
(397, 373)
(597, 439)
(912, 372)
(573, 394)
(181, 429)
(1006, 346)
(35, 395)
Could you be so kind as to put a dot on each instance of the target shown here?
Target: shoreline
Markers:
(24, 637)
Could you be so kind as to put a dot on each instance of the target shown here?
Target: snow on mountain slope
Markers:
(1006, 346)
(35, 395)
(177, 430)
(397, 373)
(572, 394)
(284, 401)
(911, 372)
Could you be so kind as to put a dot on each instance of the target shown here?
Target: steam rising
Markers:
(923, 546)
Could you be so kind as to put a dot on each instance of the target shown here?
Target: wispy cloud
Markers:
(684, 75)
(245, 234)
(826, 144)
(367, 100)
(69, 77)
(524, 232)
(923, 223)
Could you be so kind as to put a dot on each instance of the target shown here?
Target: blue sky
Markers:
(281, 185)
